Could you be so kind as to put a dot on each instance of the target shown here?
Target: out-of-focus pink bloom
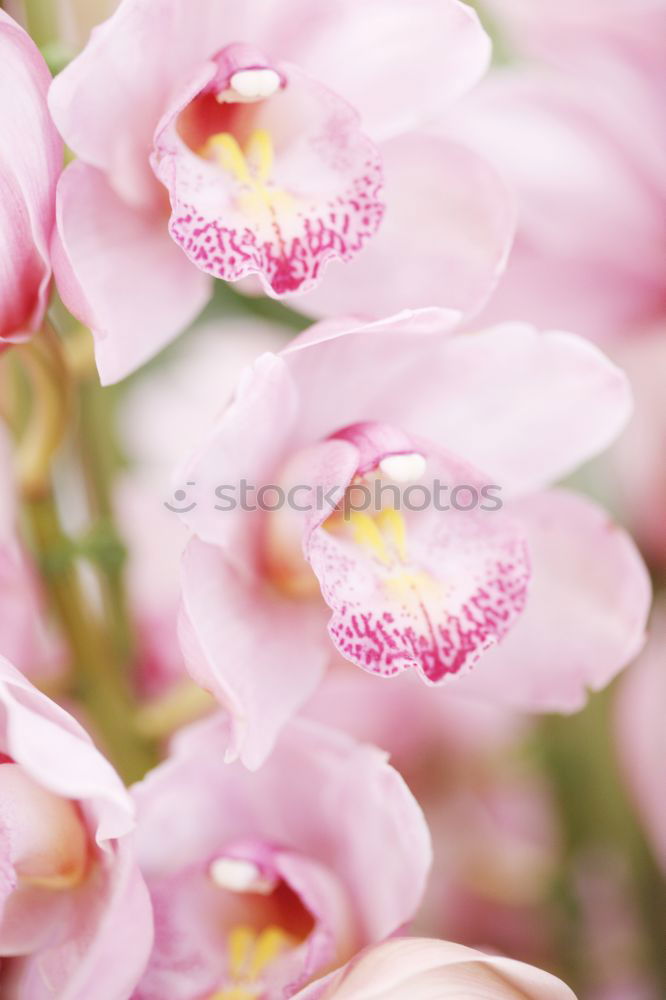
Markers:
(265, 139)
(452, 730)
(261, 881)
(423, 968)
(528, 605)
(583, 37)
(496, 850)
(72, 898)
(493, 824)
(641, 733)
(634, 469)
(29, 168)
(587, 170)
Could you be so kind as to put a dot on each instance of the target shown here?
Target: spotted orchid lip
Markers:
(417, 589)
(276, 181)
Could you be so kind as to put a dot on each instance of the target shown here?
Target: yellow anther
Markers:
(271, 943)
(259, 154)
(242, 941)
(252, 166)
(366, 533)
(391, 523)
(223, 148)
(249, 955)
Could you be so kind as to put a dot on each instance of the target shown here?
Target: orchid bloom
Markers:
(589, 184)
(490, 814)
(72, 897)
(527, 602)
(31, 163)
(422, 968)
(261, 881)
(267, 139)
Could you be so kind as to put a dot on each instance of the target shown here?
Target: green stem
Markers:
(98, 452)
(98, 684)
(99, 680)
(42, 20)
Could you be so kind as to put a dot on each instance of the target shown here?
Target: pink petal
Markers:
(588, 188)
(80, 929)
(314, 199)
(112, 916)
(249, 441)
(422, 969)
(120, 274)
(404, 60)
(238, 639)
(108, 101)
(57, 753)
(526, 407)
(30, 162)
(586, 610)
(460, 218)
(328, 365)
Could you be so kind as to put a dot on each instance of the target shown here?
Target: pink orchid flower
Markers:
(261, 881)
(423, 968)
(267, 139)
(72, 899)
(491, 815)
(31, 163)
(528, 602)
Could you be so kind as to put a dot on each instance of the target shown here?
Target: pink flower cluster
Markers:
(458, 243)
